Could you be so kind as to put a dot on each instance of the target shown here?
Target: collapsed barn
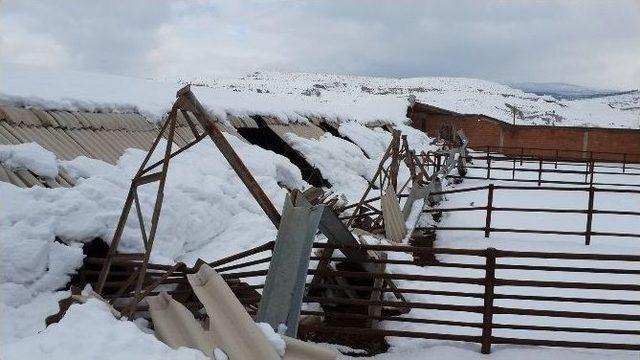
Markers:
(374, 272)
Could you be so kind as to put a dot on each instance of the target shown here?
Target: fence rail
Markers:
(561, 154)
(489, 209)
(482, 289)
(587, 170)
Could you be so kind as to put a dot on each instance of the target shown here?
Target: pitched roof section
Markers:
(105, 136)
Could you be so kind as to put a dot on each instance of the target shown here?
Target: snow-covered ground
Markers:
(528, 242)
(292, 96)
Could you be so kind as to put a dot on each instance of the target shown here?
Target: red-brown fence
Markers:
(590, 210)
(586, 170)
(475, 319)
(556, 155)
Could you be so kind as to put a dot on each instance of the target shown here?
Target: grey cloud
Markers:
(593, 43)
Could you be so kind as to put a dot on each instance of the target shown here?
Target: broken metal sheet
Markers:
(300, 350)
(242, 122)
(284, 287)
(176, 326)
(394, 223)
(307, 131)
(95, 120)
(44, 138)
(73, 147)
(435, 186)
(66, 120)
(108, 122)
(136, 122)
(17, 116)
(417, 192)
(185, 133)
(86, 124)
(28, 178)
(94, 148)
(95, 141)
(4, 176)
(232, 328)
(45, 118)
(6, 138)
(13, 178)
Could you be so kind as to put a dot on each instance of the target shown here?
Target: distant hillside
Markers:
(295, 96)
(564, 91)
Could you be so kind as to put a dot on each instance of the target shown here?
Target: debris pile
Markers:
(177, 298)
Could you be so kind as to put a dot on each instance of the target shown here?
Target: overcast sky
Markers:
(593, 43)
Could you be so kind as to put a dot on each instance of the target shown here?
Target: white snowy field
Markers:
(529, 242)
(294, 96)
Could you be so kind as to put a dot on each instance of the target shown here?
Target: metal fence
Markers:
(493, 165)
(589, 211)
(350, 306)
(551, 154)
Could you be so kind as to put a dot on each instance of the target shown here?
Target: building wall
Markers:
(573, 142)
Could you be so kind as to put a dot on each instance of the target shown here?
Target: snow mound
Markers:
(30, 156)
(89, 331)
(342, 163)
(207, 213)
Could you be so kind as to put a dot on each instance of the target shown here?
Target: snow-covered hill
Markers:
(565, 91)
(292, 96)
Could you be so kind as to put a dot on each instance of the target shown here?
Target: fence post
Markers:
(586, 172)
(587, 240)
(521, 155)
(487, 226)
(488, 166)
(540, 173)
(489, 284)
(591, 171)
(513, 171)
(556, 166)
(624, 162)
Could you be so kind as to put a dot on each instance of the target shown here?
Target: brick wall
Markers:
(602, 144)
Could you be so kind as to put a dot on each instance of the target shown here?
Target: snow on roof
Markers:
(298, 96)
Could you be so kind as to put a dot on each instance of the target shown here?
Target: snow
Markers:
(342, 163)
(89, 331)
(374, 142)
(414, 348)
(423, 349)
(295, 96)
(207, 213)
(30, 156)
(272, 337)
(218, 354)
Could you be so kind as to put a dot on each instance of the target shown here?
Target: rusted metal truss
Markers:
(186, 103)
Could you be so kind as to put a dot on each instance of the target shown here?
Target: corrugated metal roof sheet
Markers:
(13, 178)
(242, 122)
(394, 225)
(6, 137)
(307, 131)
(28, 178)
(45, 118)
(16, 116)
(105, 136)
